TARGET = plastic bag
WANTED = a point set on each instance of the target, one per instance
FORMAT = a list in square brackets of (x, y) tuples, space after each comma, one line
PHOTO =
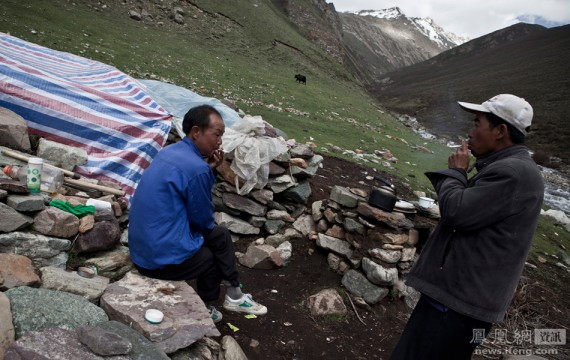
[(252, 152)]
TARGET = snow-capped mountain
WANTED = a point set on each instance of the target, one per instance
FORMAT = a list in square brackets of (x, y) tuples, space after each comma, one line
[(379, 41), (426, 25)]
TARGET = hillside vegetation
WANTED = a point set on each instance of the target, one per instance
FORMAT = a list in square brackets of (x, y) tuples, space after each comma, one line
[(245, 51)]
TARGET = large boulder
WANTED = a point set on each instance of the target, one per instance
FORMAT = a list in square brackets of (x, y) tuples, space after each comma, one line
[(69, 281), (39, 309), (357, 284), (42, 250), (186, 318), (63, 156)]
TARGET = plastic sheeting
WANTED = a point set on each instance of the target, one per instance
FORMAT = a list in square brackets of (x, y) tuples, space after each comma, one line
[(252, 152), (178, 100)]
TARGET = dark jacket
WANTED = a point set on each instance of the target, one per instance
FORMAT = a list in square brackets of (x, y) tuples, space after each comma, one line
[(473, 260)]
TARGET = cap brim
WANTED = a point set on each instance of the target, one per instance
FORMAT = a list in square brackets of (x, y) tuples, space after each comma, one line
[(472, 107)]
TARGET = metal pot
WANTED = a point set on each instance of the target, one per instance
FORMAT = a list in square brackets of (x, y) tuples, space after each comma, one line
[(383, 198)]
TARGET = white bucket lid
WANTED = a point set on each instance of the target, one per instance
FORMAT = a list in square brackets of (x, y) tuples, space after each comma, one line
[(35, 161)]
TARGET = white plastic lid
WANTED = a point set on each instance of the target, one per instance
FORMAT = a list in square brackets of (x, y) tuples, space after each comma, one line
[(35, 161), (154, 316)]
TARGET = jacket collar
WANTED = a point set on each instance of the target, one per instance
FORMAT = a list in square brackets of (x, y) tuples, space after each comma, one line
[(501, 154), (192, 146)]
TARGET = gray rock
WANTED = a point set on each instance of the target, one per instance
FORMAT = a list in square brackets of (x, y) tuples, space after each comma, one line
[(203, 349), (186, 318), (235, 225), (42, 250), (352, 225), (281, 183), (379, 274), (63, 156), (13, 186), (357, 284), (11, 220), (16, 270), (285, 250), (408, 254), (302, 151), (344, 197), (244, 204), (103, 342), (299, 194), (230, 349), (336, 232), (335, 245), (219, 206), (112, 264), (3, 195), (398, 239), (394, 220), (326, 302), (105, 235), (275, 170), (69, 281), (274, 205), (322, 226), (283, 157), (39, 309), (257, 221), (263, 196), (55, 222), (316, 210), (7, 332), (279, 215), (26, 202), (124, 237), (104, 215), (179, 19), (305, 225), (288, 235), (53, 343), (135, 15), (313, 165), (389, 256), (273, 226), (142, 348), (261, 257), (13, 131)]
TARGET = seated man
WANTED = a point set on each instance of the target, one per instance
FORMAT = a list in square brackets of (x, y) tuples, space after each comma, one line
[(172, 234)]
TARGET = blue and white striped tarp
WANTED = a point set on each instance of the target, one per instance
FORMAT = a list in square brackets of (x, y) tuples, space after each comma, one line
[(86, 104)]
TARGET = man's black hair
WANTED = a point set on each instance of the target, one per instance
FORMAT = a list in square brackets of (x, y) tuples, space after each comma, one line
[(517, 137), (198, 116)]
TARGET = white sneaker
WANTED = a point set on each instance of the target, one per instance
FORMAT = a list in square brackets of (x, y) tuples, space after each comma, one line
[(215, 314), (245, 304)]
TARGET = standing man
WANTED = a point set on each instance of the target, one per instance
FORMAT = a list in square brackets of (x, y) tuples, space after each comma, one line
[(470, 266), (172, 234)]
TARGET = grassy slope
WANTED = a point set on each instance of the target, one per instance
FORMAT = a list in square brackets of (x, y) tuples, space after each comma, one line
[(217, 57)]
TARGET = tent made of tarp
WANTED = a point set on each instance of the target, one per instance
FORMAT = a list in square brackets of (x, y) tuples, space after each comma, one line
[(86, 104)]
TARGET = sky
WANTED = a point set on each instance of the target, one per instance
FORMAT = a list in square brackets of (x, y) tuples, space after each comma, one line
[(472, 18)]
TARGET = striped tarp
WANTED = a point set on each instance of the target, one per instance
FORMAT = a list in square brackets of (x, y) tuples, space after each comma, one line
[(86, 104)]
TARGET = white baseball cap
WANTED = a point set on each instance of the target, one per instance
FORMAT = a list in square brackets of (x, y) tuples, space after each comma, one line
[(513, 109)]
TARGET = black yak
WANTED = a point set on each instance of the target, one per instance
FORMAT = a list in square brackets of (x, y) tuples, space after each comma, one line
[(301, 78)]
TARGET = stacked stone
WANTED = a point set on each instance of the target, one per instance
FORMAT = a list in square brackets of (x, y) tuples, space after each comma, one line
[(372, 249), (277, 211)]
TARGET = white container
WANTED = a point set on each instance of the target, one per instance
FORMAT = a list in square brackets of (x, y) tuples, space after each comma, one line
[(426, 202), (34, 175), (154, 316), (51, 179), (100, 205)]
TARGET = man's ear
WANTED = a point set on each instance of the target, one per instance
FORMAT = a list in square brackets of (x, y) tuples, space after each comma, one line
[(502, 131), (194, 132)]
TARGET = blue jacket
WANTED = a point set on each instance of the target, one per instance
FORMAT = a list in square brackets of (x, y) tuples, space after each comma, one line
[(171, 208)]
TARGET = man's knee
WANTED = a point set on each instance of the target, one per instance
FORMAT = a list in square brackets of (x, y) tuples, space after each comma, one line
[(219, 235)]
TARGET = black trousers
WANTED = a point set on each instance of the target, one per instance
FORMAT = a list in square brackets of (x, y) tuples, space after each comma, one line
[(214, 262), (434, 334)]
